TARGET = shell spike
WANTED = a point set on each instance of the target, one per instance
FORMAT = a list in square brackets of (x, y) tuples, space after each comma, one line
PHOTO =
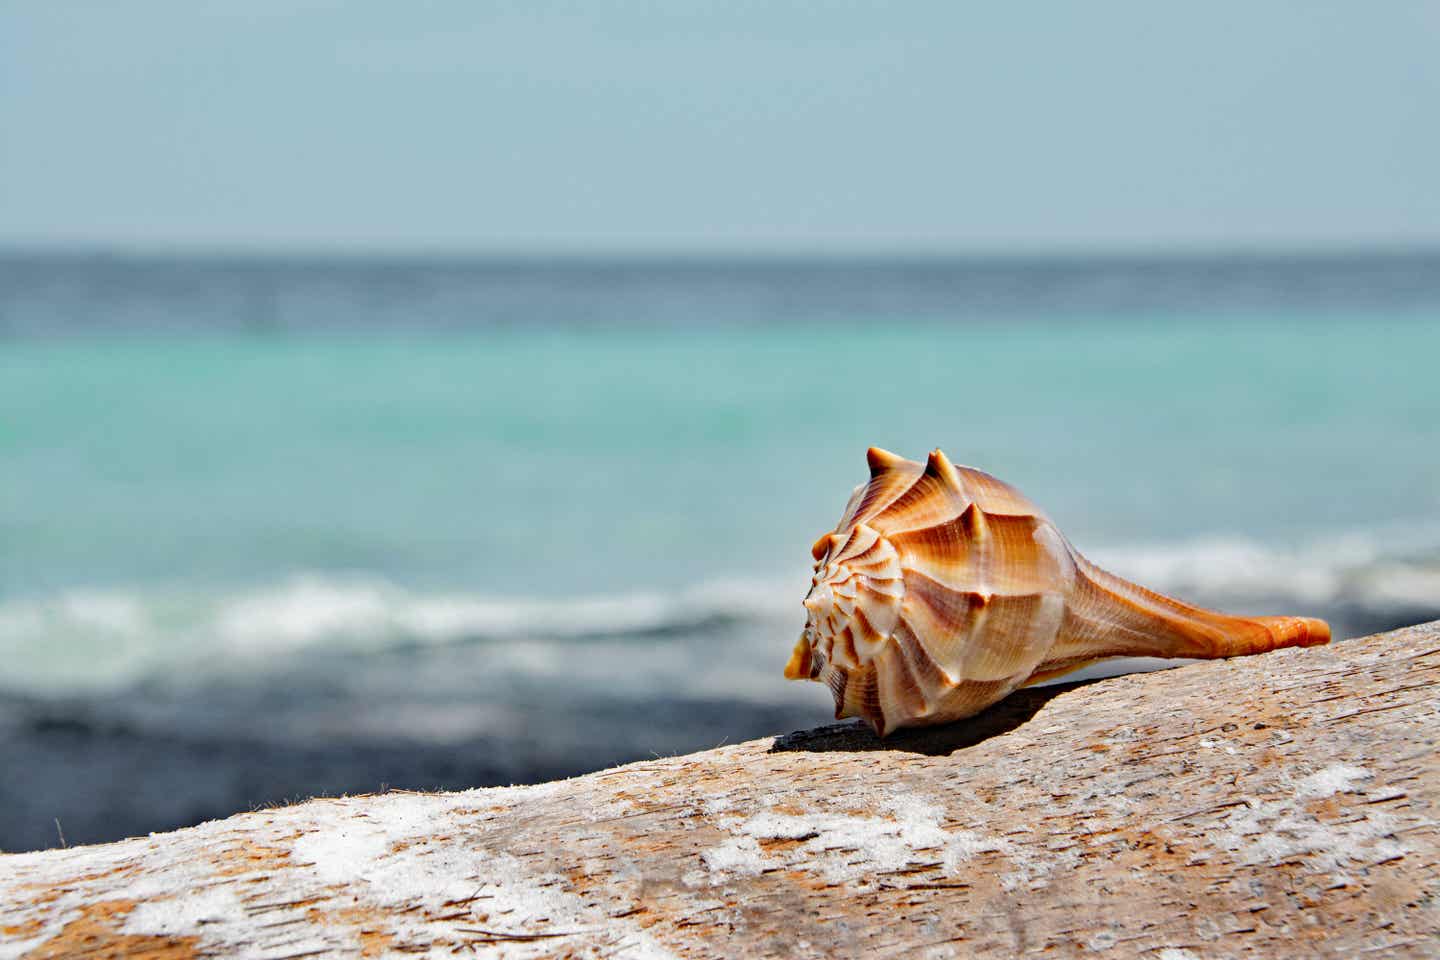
[(882, 461), (819, 548), (799, 667), (939, 466)]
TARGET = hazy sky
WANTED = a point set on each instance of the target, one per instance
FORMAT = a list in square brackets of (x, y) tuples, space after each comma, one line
[(535, 125)]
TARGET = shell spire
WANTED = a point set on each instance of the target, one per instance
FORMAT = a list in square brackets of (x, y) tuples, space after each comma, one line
[(942, 590), (881, 461)]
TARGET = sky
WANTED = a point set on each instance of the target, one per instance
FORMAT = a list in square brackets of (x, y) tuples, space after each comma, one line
[(681, 125)]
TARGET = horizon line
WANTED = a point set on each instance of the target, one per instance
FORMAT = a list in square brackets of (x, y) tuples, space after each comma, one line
[(819, 253)]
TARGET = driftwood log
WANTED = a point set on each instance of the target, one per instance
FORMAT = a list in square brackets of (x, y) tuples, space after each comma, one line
[(1271, 806)]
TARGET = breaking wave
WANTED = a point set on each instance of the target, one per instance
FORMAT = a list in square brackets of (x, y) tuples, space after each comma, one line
[(97, 638), (1392, 570), (92, 639)]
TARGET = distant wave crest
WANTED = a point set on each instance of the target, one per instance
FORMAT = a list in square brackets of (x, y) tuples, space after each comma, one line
[(93, 638), (1397, 569), (103, 638)]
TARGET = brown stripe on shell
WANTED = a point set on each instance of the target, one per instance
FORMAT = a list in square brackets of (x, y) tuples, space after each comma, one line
[(847, 646), (927, 502), (874, 561), (859, 696), (883, 570), (826, 641), (888, 586), (881, 610), (942, 620), (820, 549), (933, 681), (862, 538), (869, 639), (832, 645), (1053, 668), (837, 679), (944, 553), (888, 481), (877, 565), (900, 693), (879, 562), (866, 696)]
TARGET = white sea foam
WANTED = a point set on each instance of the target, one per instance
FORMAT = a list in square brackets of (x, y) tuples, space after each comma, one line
[(99, 638), (316, 609), (1375, 571)]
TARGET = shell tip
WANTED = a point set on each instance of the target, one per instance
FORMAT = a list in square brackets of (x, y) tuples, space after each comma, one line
[(881, 460), (1296, 631), (818, 548), (799, 666), (939, 466)]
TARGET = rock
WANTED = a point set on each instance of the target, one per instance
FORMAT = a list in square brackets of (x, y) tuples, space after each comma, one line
[(1279, 805)]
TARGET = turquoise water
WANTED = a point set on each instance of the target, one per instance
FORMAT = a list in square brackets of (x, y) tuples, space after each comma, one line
[(574, 466), (564, 463), (444, 522)]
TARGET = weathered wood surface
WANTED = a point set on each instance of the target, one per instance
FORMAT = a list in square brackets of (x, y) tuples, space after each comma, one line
[(1282, 805)]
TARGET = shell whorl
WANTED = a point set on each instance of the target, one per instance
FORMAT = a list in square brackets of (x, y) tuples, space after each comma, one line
[(942, 589)]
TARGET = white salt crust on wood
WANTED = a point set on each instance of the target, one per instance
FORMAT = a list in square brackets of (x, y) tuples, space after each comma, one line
[(1280, 805)]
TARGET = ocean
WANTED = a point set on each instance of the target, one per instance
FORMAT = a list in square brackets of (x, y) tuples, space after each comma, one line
[(279, 527)]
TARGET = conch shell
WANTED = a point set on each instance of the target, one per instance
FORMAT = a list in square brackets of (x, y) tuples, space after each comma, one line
[(942, 590)]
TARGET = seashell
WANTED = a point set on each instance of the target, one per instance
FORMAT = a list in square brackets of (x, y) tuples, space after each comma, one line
[(942, 590)]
